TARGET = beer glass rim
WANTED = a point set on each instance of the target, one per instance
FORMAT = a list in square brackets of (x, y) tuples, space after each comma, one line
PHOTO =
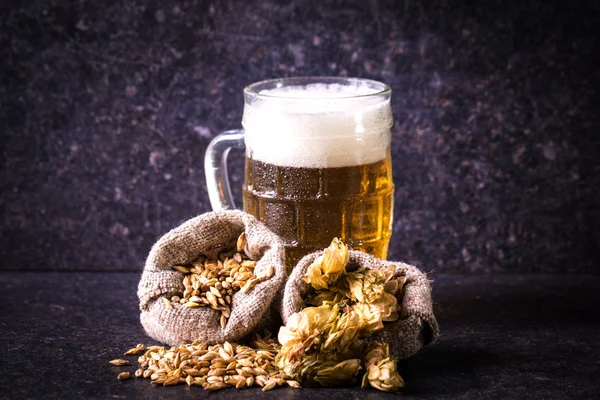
[(253, 90)]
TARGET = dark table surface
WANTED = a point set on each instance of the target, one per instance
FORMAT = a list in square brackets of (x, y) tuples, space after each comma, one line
[(503, 336)]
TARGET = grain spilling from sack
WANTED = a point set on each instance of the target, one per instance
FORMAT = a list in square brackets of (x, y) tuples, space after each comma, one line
[(211, 282), (214, 278)]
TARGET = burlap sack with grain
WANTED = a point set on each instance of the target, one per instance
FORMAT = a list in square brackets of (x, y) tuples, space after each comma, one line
[(184, 244), (416, 326)]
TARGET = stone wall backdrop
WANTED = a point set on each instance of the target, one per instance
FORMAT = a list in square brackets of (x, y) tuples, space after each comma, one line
[(106, 108)]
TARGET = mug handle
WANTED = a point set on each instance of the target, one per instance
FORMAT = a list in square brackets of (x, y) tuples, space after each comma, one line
[(215, 168)]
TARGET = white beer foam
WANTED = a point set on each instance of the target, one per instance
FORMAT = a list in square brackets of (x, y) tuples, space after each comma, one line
[(319, 91), (318, 126)]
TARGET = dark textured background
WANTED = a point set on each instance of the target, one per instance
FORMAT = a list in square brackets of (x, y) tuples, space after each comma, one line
[(106, 109)]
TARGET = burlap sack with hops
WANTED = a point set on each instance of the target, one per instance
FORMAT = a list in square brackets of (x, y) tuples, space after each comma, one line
[(205, 235), (416, 325)]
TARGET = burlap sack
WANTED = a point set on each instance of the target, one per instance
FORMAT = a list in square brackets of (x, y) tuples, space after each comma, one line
[(416, 326), (184, 244)]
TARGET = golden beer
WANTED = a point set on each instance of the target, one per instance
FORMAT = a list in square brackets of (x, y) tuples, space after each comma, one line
[(308, 207)]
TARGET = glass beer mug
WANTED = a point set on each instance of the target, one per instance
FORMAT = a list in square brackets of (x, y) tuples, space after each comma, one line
[(317, 163)]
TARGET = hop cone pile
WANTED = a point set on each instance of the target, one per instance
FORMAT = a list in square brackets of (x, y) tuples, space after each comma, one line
[(325, 342)]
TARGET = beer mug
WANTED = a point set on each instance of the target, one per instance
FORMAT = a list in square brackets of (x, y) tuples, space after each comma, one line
[(317, 163)]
